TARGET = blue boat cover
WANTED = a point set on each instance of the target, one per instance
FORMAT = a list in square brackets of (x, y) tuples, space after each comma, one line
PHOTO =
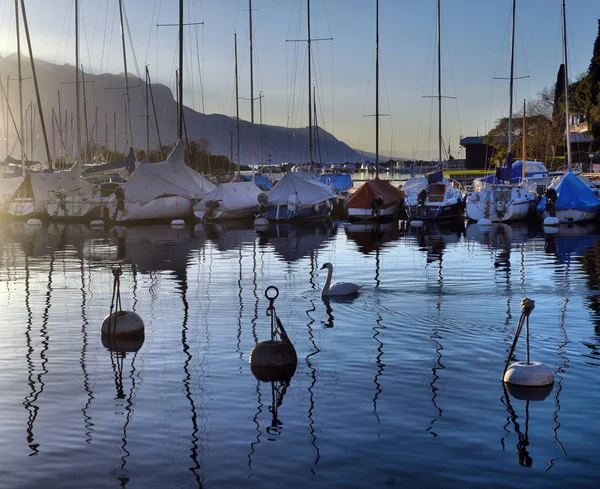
[(261, 181), (340, 183), (515, 170), (572, 193), (435, 177)]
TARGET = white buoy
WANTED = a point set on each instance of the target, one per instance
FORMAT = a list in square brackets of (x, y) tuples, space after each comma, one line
[(532, 374), (97, 223), (123, 324), (526, 373), (550, 229), (177, 223), (551, 221), (484, 221), (416, 223), (261, 221), (34, 222)]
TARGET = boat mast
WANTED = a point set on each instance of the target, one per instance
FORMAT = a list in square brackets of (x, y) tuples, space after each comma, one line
[(128, 132), (567, 113), (310, 131), (22, 129), (251, 86), (512, 76), (237, 102), (37, 89), (523, 150), (377, 89), (180, 79), (439, 53), (77, 108), (147, 114)]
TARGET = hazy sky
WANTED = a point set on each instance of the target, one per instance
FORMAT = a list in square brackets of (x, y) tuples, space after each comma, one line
[(475, 49)]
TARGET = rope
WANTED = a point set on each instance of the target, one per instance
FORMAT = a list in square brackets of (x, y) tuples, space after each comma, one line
[(527, 305), (278, 332), (115, 302)]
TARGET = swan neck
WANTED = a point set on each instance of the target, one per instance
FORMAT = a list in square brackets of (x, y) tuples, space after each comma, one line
[(328, 281)]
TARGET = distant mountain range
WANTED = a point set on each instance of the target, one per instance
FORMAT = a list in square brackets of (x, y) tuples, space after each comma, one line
[(104, 103)]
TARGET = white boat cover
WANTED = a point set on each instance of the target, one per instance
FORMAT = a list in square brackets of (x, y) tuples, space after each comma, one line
[(171, 177), (302, 188), (9, 185), (232, 197), (42, 184)]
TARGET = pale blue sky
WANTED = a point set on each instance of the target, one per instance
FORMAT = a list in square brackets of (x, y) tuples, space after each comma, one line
[(475, 49)]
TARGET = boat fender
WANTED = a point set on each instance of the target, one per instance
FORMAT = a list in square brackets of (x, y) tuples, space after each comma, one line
[(317, 207)]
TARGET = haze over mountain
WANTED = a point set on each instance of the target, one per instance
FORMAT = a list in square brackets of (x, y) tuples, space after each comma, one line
[(104, 103)]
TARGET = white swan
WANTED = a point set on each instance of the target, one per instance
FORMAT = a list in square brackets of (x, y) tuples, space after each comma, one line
[(338, 288)]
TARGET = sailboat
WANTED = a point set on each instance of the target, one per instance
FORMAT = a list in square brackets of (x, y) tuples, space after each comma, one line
[(375, 199), (238, 199), (503, 201), (568, 199), (301, 195), (434, 197)]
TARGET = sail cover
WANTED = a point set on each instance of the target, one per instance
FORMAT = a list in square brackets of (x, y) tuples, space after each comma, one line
[(572, 193), (171, 177), (305, 189)]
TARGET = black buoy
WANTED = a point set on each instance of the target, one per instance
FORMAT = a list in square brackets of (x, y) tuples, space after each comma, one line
[(274, 360), (126, 326)]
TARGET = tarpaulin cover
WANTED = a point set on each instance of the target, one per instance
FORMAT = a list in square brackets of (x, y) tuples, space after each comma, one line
[(261, 181), (435, 177), (572, 193), (303, 188), (363, 197), (340, 183), (516, 171)]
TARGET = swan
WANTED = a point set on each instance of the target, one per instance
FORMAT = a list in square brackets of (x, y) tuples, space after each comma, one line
[(338, 288)]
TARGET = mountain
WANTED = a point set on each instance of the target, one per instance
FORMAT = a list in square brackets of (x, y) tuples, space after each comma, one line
[(104, 104)]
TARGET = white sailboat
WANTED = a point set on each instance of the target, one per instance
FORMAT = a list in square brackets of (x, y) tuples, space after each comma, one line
[(165, 190), (503, 201)]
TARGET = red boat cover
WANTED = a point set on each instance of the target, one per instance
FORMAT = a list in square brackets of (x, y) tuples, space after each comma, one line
[(364, 195)]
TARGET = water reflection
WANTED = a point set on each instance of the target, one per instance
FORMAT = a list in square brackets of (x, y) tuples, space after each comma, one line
[(370, 237)]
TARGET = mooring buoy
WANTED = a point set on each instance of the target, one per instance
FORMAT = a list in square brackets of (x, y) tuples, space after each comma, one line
[(551, 221), (484, 222), (274, 360), (526, 374), (261, 224), (97, 223), (34, 222), (177, 223), (416, 223), (124, 325), (550, 229)]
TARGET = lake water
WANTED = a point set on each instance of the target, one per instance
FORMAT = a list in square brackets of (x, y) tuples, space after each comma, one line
[(400, 387)]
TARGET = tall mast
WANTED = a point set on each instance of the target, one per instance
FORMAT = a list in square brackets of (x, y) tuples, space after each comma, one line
[(377, 89), (439, 49), (251, 85), (85, 117), (128, 132), (37, 90), (512, 78), (237, 102), (147, 114), (523, 142), (180, 80), (567, 113), (310, 132), (77, 109), (22, 129)]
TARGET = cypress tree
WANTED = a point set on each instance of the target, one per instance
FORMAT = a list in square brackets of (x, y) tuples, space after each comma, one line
[(558, 108), (594, 73)]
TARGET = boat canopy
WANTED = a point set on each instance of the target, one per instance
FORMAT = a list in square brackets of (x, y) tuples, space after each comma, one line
[(363, 197), (340, 183), (515, 170), (305, 190), (261, 181), (171, 177), (571, 193), (231, 196)]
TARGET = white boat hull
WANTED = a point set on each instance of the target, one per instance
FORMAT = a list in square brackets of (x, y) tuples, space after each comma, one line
[(173, 207), (483, 204), (359, 214), (76, 209), (27, 207), (222, 215), (567, 216)]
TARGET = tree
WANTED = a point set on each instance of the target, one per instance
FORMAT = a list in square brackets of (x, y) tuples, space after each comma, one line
[(594, 109), (558, 109)]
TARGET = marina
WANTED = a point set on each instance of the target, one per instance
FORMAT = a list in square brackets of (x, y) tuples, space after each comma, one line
[(398, 386)]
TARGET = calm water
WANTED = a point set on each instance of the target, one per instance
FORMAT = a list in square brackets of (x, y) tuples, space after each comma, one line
[(397, 388)]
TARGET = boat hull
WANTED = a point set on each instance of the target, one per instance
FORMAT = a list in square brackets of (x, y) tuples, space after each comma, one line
[(172, 207), (435, 211), (385, 213), (223, 215), (27, 207), (77, 210), (283, 213), (500, 204), (567, 216)]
